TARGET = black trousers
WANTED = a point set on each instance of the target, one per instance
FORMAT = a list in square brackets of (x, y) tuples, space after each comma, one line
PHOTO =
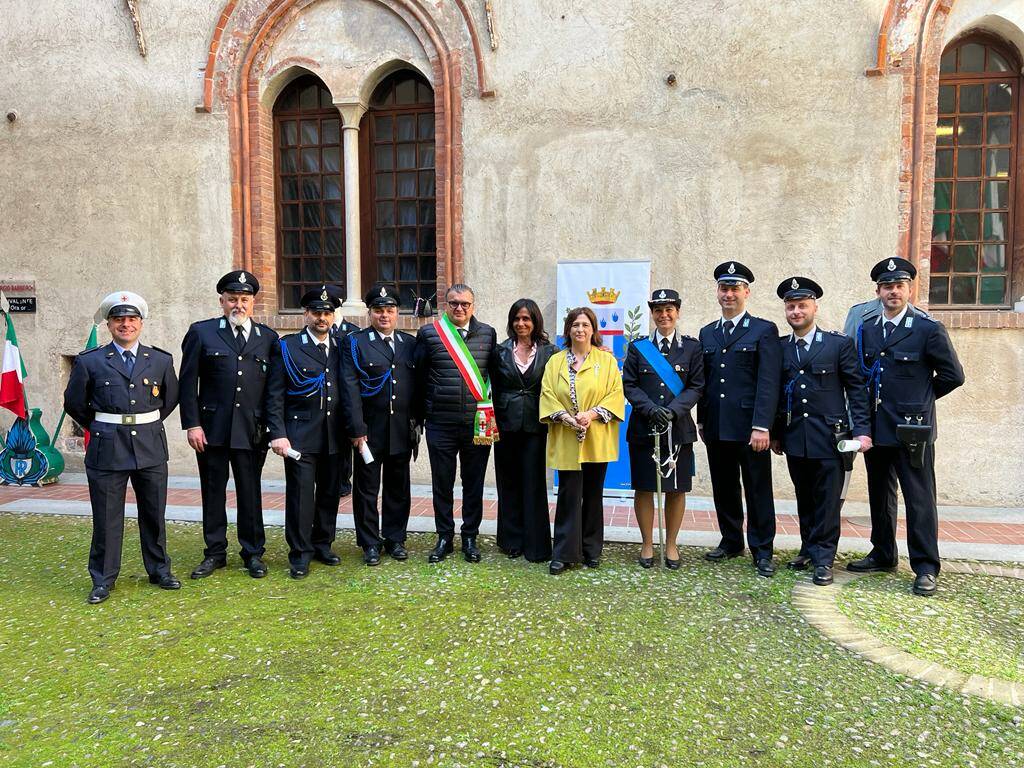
[(579, 514), (729, 461), (445, 445), (345, 470), (311, 505), (107, 494), (524, 521), (818, 484), (395, 499), (247, 468), (886, 465)]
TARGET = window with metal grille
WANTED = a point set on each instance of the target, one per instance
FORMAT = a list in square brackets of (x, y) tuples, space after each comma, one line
[(309, 190), (400, 240), (976, 172)]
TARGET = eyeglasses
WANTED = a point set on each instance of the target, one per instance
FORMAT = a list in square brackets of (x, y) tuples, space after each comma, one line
[(460, 304)]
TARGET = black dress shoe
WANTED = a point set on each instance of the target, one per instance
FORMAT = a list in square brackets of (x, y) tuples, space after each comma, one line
[(765, 567), (441, 550), (256, 567), (799, 563), (397, 551), (345, 491), (328, 558), (822, 575), (645, 562), (592, 563), (672, 565), (165, 582), (371, 555), (98, 595), (556, 567), (870, 564), (514, 553), (469, 550), (299, 571), (925, 585), (208, 566), (718, 554)]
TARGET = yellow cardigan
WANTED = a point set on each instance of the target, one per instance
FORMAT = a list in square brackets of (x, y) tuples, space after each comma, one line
[(598, 382)]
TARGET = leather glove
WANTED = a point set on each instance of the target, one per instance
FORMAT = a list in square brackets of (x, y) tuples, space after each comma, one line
[(661, 417)]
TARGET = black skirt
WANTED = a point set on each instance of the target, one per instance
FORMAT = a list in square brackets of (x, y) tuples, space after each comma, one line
[(642, 474)]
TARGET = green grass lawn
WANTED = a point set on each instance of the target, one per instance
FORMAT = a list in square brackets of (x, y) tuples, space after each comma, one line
[(974, 623), (496, 664)]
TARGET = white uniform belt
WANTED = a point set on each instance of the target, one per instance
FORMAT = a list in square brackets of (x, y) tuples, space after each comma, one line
[(128, 418)]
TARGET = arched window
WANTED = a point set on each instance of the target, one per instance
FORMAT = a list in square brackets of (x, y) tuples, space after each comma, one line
[(975, 225), (399, 242), (307, 140)]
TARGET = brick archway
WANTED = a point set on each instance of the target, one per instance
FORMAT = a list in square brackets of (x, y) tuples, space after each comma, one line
[(239, 50)]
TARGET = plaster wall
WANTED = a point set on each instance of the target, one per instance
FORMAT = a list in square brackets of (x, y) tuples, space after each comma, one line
[(772, 148)]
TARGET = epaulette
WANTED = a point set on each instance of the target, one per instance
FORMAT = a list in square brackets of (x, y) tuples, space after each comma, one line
[(157, 349), (93, 349), (687, 336), (837, 333)]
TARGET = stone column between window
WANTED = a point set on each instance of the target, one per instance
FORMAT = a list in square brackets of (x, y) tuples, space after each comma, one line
[(351, 113)]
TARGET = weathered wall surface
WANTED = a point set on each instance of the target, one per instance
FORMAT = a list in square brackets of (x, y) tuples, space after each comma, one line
[(772, 148)]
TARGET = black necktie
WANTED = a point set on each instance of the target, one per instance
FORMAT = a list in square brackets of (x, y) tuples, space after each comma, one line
[(463, 332), (801, 347), (890, 326), (129, 362), (390, 343), (665, 347), (322, 347), (239, 338), (728, 325)]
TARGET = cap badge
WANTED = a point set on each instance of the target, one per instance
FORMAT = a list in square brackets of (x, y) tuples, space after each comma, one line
[(241, 277), (795, 284), (661, 295), (323, 295), (124, 297), (732, 268), (383, 292), (891, 266)]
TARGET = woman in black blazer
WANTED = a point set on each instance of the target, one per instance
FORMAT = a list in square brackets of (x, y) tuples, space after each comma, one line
[(516, 370)]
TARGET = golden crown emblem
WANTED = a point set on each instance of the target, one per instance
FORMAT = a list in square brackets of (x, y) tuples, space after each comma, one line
[(603, 295)]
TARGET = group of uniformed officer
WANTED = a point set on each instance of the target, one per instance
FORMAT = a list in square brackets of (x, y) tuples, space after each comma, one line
[(820, 397), (316, 395)]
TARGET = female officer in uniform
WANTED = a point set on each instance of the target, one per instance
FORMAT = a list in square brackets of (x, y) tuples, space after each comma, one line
[(663, 377)]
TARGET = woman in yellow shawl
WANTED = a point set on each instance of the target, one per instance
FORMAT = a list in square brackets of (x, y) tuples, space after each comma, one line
[(581, 397)]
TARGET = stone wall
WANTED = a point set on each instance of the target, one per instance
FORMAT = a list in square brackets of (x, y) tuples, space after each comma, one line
[(772, 147)]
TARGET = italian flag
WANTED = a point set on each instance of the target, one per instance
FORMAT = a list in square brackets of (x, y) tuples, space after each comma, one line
[(12, 374)]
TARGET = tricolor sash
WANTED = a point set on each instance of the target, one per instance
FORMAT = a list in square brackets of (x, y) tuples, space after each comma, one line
[(486, 428), (661, 366)]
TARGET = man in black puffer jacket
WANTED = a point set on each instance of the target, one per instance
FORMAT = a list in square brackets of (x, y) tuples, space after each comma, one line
[(450, 412)]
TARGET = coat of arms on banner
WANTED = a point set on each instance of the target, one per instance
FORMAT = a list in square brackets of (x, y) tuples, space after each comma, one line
[(21, 463)]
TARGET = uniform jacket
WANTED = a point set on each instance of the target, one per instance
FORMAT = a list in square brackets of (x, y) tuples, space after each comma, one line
[(917, 365), (446, 399), (100, 383), (313, 423), (598, 382), (222, 389), (865, 312), (517, 395), (741, 389), (382, 418), (645, 390), (821, 386)]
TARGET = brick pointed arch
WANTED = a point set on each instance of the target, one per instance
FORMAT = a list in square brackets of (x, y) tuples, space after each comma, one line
[(911, 39), (242, 40)]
